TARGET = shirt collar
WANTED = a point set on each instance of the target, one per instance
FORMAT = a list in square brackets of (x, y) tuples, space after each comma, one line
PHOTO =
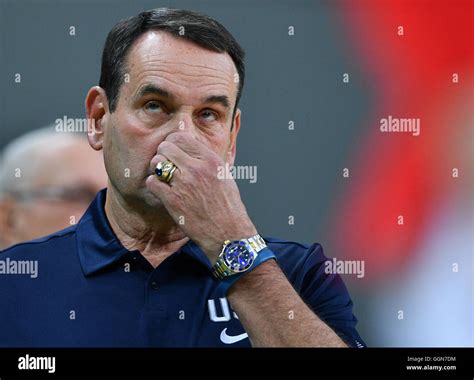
[(98, 246)]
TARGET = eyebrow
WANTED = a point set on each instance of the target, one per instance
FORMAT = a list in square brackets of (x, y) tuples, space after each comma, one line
[(221, 99), (154, 90)]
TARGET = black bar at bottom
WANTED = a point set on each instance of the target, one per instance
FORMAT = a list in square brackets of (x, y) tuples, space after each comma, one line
[(397, 362)]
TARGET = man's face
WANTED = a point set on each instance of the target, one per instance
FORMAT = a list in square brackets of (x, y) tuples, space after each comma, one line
[(172, 86), (73, 173)]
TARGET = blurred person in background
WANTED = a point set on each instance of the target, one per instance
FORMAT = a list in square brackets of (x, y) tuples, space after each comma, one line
[(47, 180)]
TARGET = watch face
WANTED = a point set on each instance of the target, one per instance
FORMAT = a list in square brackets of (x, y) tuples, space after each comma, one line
[(238, 257)]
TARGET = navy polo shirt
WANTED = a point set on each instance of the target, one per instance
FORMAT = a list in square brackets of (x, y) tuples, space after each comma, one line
[(90, 291)]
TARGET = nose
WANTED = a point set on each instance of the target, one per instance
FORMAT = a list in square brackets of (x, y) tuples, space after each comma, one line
[(184, 122)]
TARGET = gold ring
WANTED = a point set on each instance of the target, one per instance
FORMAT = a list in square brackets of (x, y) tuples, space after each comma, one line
[(164, 170)]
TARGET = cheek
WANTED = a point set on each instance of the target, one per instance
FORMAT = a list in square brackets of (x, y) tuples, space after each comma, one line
[(219, 143), (112, 152), (129, 149)]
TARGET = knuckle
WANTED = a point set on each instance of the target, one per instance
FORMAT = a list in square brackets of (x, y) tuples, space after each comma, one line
[(174, 137), (164, 145), (159, 158), (192, 170)]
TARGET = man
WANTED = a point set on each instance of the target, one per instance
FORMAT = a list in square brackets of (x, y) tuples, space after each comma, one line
[(144, 267), (47, 180)]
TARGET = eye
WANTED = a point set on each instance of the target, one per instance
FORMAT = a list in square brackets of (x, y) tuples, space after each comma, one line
[(153, 106), (209, 115)]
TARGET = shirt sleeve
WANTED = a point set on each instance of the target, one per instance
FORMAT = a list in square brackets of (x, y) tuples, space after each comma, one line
[(327, 295)]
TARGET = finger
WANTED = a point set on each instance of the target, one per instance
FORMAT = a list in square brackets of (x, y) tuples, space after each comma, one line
[(160, 189), (154, 161), (189, 144), (159, 158), (175, 154)]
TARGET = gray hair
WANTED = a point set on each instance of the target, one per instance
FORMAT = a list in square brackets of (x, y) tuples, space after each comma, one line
[(21, 160)]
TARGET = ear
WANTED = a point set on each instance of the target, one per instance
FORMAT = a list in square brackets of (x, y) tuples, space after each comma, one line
[(231, 151), (7, 225), (97, 111)]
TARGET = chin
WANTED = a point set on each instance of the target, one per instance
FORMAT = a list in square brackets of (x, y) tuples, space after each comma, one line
[(141, 198), (151, 199)]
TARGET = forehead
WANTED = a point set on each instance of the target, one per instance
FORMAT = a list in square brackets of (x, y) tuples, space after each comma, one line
[(179, 65)]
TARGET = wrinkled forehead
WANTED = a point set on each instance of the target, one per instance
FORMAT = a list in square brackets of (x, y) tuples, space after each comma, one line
[(179, 65)]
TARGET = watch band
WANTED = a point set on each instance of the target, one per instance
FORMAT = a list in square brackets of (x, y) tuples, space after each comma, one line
[(257, 243)]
